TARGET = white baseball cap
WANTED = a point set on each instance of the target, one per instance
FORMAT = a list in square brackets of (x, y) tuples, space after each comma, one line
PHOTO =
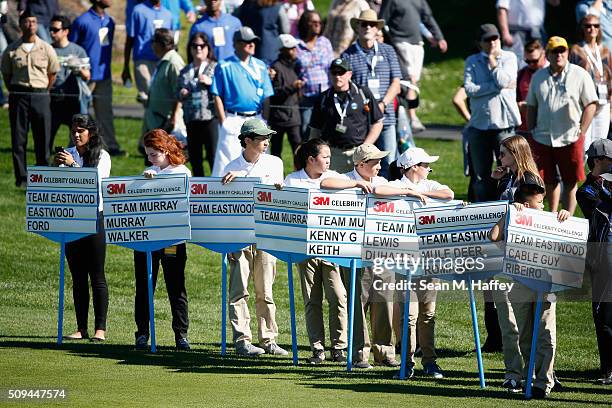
[(287, 41), (415, 155)]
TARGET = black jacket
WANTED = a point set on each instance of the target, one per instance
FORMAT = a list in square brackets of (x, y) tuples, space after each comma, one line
[(598, 261), (507, 185), (589, 195), (285, 94)]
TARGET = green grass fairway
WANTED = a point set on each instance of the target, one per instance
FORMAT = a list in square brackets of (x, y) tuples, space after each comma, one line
[(113, 374)]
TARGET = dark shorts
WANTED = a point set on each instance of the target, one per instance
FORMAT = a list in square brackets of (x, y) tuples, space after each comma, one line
[(570, 160)]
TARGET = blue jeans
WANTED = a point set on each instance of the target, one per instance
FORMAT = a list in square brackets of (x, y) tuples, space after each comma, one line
[(483, 146), (306, 107), (387, 141)]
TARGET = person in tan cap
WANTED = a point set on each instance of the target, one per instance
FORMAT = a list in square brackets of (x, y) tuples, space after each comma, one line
[(376, 66), (366, 159), (560, 106)]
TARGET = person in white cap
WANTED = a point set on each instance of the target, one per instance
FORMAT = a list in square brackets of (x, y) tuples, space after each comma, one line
[(285, 112), (367, 159), (240, 86), (250, 261), (414, 164)]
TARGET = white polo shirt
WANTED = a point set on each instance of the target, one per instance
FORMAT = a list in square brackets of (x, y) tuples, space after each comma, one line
[(376, 180), (269, 168), (423, 186), (171, 169), (300, 179)]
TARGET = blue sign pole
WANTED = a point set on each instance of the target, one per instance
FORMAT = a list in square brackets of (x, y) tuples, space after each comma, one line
[(292, 311), (60, 312), (404, 344), (223, 302), (150, 289), (534, 338), (351, 315), (476, 332)]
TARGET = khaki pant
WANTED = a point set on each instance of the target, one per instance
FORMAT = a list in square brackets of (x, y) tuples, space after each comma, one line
[(513, 360), (421, 321), (524, 304), (143, 72), (262, 266), (341, 160), (318, 276), (381, 316)]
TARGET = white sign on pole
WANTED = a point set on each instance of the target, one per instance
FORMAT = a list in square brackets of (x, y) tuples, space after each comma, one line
[(138, 209), (222, 213), (453, 239), (310, 222), (390, 231), (61, 200), (541, 249)]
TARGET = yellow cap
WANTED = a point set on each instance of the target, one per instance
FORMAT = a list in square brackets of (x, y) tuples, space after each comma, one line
[(556, 42)]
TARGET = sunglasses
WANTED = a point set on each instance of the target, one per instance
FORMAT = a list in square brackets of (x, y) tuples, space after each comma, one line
[(425, 165), (55, 30), (559, 50), (337, 73), (532, 61), (198, 46), (587, 26), (365, 24)]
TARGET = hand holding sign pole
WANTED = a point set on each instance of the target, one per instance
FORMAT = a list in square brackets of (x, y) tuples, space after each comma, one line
[(454, 245), (62, 206), (222, 221), (336, 221), (390, 234), (544, 255), (147, 215), (281, 222), (310, 223)]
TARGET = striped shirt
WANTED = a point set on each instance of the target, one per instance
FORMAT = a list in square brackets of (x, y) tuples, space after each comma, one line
[(313, 65), (386, 69)]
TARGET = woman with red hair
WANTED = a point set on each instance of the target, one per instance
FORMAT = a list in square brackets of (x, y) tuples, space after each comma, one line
[(166, 155)]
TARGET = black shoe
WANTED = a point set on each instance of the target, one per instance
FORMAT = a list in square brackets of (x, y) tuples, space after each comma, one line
[(513, 386), (538, 393), (606, 378), (557, 387), (339, 356), (142, 341), (491, 347), (318, 356), (182, 344)]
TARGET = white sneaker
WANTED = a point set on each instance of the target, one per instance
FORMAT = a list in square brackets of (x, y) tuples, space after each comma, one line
[(249, 350), (275, 350)]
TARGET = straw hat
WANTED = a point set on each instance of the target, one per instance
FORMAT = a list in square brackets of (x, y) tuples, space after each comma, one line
[(368, 16)]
